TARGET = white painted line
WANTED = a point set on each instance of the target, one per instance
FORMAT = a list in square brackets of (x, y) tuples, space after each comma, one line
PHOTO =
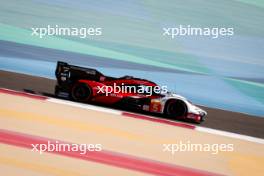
[(84, 106), (229, 134), (116, 112), (198, 128)]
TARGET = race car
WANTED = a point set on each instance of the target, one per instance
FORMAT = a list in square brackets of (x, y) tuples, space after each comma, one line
[(88, 85)]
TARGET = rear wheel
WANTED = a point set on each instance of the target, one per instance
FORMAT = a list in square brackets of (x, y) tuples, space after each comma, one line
[(175, 109), (81, 92), (57, 90)]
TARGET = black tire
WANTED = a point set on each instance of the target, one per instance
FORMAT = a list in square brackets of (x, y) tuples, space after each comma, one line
[(57, 90), (81, 92), (175, 109)]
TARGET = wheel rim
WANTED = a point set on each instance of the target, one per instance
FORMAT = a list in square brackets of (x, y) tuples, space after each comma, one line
[(81, 93), (176, 109)]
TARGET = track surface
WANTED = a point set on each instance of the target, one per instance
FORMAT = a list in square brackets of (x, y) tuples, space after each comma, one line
[(28, 119), (216, 119)]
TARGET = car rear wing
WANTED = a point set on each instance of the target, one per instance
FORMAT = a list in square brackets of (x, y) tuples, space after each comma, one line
[(68, 74)]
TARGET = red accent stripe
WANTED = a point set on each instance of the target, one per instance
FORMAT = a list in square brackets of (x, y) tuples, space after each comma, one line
[(137, 116), (24, 94), (164, 121), (105, 157)]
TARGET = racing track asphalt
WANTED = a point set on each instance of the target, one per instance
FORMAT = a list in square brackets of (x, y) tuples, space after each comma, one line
[(216, 119)]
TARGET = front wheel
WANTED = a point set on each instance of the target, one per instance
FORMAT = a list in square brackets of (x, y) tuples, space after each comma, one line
[(81, 92), (175, 109)]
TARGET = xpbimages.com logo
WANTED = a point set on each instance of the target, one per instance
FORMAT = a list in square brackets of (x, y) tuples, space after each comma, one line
[(196, 147), (131, 89), (65, 147), (188, 30), (56, 30)]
